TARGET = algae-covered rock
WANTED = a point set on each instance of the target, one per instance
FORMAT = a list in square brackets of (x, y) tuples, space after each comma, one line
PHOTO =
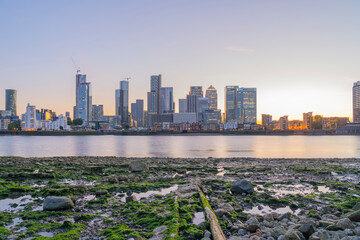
[(354, 216), (242, 186), (53, 203), (138, 166)]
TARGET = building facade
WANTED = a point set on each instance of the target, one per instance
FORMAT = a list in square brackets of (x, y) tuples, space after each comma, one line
[(166, 100), (307, 120), (230, 103), (266, 119), (10, 101), (182, 105), (124, 102), (246, 105), (356, 102), (203, 104), (196, 90), (211, 94), (97, 112), (284, 123), (137, 112), (212, 116), (155, 87), (83, 107)]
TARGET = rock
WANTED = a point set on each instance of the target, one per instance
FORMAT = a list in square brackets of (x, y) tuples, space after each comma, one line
[(354, 216), (159, 229), (284, 216), (131, 199), (227, 207), (344, 223), (307, 229), (292, 234), (323, 223), (356, 206), (252, 224), (53, 203), (221, 212), (138, 166), (207, 234), (101, 192), (94, 169), (327, 235), (242, 186), (276, 232), (269, 217)]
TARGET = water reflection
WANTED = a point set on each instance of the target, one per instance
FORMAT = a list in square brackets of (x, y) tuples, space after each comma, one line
[(182, 146)]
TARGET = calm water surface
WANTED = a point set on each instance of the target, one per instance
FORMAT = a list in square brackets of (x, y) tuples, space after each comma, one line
[(182, 146)]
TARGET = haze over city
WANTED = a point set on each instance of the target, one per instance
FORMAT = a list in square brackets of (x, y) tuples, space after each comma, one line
[(301, 56)]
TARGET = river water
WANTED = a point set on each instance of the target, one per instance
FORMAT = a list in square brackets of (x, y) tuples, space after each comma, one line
[(183, 146)]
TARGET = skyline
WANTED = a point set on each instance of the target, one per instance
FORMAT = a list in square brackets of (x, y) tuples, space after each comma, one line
[(306, 63)]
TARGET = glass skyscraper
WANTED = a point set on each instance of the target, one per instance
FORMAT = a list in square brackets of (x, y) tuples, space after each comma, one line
[(230, 103), (196, 90), (166, 100), (356, 102), (83, 107), (240, 105), (124, 101), (10, 101), (211, 94)]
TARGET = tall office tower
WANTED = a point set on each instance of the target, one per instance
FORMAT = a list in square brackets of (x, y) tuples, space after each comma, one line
[(196, 90), (266, 119), (230, 103), (137, 112), (284, 123), (203, 104), (192, 103), (211, 94), (124, 101), (117, 102), (152, 101), (182, 105), (83, 107), (246, 105), (155, 86), (97, 112), (307, 120), (30, 117), (10, 101), (166, 100), (356, 102)]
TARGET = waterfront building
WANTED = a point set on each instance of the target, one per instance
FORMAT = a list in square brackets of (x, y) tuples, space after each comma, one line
[(152, 100), (185, 117), (284, 123), (30, 118), (295, 125), (10, 101), (155, 87), (4, 123), (83, 107), (113, 121), (356, 102), (212, 116), (117, 102), (5, 114), (124, 102), (246, 105), (166, 100), (211, 94), (266, 119), (230, 103), (192, 103), (333, 123), (196, 90), (137, 112), (203, 104), (307, 120), (97, 112), (182, 105)]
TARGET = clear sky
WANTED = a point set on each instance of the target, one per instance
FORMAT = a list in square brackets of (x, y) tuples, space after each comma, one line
[(300, 55)]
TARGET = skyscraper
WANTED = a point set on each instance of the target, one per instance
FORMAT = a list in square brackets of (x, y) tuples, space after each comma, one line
[(182, 105), (203, 104), (230, 103), (137, 112), (246, 105), (307, 120), (192, 103), (10, 101), (155, 86), (166, 100), (356, 102), (97, 112), (124, 101), (30, 117), (196, 90), (211, 94), (152, 101), (83, 107), (117, 102)]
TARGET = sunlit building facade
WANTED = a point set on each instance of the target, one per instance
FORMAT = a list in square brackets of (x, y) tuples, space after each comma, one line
[(284, 123), (196, 90), (212, 116), (266, 119), (307, 120), (246, 105), (230, 103)]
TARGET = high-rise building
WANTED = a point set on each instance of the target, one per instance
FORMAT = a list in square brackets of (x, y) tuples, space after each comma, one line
[(124, 101), (166, 100), (10, 101), (192, 103), (137, 112), (97, 112), (83, 107), (196, 90), (212, 116), (182, 105), (117, 102), (155, 86), (307, 120), (284, 123), (356, 102), (246, 105), (211, 94), (240, 105), (230, 103), (152, 101), (266, 119), (203, 104), (30, 118)]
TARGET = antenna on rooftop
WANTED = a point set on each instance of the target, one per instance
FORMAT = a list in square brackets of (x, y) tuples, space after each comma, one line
[(77, 69)]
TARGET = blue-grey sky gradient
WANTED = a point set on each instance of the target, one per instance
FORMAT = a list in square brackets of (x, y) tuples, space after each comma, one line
[(301, 55)]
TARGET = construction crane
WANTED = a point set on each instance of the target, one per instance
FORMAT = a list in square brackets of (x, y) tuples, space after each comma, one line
[(127, 78), (77, 69)]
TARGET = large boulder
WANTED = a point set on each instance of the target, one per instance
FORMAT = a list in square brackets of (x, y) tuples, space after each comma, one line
[(252, 224), (354, 216), (242, 186), (344, 223), (138, 166), (53, 203), (307, 229), (292, 234)]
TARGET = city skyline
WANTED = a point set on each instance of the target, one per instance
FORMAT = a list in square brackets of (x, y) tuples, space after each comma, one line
[(308, 60)]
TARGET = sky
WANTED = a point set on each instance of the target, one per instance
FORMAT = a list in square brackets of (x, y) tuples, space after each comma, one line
[(302, 56)]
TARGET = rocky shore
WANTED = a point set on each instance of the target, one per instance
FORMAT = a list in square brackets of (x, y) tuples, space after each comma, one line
[(172, 198)]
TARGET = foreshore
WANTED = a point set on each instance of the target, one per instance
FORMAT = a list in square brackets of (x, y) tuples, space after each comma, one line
[(170, 198)]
